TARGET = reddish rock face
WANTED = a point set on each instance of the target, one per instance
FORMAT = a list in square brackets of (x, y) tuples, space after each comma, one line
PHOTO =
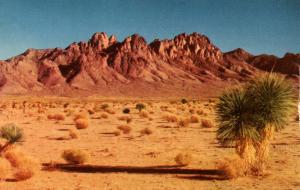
[(104, 64)]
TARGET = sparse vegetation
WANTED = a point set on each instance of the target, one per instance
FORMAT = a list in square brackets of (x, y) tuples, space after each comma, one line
[(57, 117), (183, 159), (140, 107), (184, 101), (170, 118), (126, 110), (206, 123), (125, 129), (81, 123), (146, 131), (73, 156)]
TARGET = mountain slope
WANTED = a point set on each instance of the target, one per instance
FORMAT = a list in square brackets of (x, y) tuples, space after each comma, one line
[(186, 65)]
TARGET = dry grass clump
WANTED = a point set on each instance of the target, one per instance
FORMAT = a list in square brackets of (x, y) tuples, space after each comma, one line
[(116, 133), (232, 167), (4, 168), (200, 112), (73, 134), (170, 118), (104, 116), (110, 111), (81, 115), (81, 123), (146, 131), (25, 166), (75, 156), (184, 122), (194, 119), (57, 117), (143, 114), (206, 123), (183, 159), (125, 129), (125, 118)]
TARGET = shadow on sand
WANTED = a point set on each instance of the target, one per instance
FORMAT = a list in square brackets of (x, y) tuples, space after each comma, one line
[(193, 174)]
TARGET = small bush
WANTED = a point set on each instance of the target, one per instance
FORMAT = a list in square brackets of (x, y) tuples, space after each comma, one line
[(194, 119), (126, 110), (140, 107), (26, 166), (125, 129), (81, 116), (146, 131), (73, 134), (81, 123), (110, 111), (170, 118), (206, 123), (143, 114), (183, 159), (57, 117), (183, 122), (184, 101), (75, 156), (104, 116), (231, 168), (4, 168), (104, 106), (125, 118)]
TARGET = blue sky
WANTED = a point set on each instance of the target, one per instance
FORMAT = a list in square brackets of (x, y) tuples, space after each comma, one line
[(259, 26)]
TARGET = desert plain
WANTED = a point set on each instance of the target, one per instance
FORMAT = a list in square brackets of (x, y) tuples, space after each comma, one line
[(141, 158)]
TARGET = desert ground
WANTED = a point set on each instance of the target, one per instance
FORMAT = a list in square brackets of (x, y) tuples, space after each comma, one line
[(46, 137)]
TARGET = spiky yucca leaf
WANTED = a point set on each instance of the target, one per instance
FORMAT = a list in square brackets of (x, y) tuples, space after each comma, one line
[(273, 97), (236, 117), (11, 133)]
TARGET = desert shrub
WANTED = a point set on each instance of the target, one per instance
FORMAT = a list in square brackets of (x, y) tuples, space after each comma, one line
[(57, 117), (146, 131), (116, 133), (170, 118), (194, 119), (192, 111), (143, 114), (206, 123), (125, 129), (75, 156), (184, 101), (183, 122), (125, 118), (81, 115), (104, 106), (126, 110), (91, 112), (73, 133), (25, 166), (104, 116), (81, 123), (110, 111), (183, 159), (199, 112), (4, 168), (232, 168), (140, 107)]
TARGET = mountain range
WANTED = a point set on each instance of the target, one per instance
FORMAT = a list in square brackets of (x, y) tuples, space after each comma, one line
[(188, 65)]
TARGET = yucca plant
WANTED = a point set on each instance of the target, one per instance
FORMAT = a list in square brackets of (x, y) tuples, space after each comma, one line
[(237, 123), (273, 97), (12, 134)]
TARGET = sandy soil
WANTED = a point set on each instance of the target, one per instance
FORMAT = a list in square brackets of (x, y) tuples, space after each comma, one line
[(134, 149)]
